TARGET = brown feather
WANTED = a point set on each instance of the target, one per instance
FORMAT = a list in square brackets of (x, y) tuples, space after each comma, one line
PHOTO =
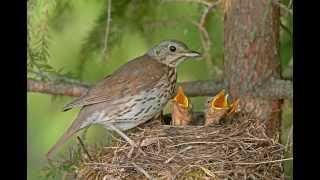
[(130, 79)]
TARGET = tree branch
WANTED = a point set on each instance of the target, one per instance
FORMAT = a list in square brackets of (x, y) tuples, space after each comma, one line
[(105, 48), (205, 38), (275, 89), (192, 89), (57, 88)]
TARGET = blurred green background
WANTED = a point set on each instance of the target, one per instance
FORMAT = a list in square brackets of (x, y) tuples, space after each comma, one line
[(73, 35)]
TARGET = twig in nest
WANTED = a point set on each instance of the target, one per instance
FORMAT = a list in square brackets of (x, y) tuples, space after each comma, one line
[(207, 171), (243, 142), (140, 169), (84, 148), (263, 162), (181, 144), (182, 151)]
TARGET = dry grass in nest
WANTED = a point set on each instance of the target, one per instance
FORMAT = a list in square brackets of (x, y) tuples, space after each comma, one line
[(240, 150)]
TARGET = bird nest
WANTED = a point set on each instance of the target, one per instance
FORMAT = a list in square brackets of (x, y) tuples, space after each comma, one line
[(239, 150)]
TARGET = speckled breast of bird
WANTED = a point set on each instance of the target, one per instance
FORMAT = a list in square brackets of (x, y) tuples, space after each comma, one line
[(143, 106)]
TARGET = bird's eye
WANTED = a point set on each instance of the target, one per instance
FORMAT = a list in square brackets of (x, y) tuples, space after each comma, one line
[(172, 48)]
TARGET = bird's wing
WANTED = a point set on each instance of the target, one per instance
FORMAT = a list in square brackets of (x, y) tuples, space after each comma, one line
[(137, 75)]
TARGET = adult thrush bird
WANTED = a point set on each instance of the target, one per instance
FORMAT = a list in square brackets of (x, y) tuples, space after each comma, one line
[(133, 94)]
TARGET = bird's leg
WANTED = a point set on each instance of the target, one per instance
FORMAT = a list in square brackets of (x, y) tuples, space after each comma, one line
[(83, 135), (84, 148), (124, 136)]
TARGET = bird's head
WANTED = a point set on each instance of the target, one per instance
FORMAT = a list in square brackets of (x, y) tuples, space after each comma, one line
[(172, 52)]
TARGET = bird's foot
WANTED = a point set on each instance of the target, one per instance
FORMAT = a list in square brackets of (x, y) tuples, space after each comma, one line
[(130, 141)]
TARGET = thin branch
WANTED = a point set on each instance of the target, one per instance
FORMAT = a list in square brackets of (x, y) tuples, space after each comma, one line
[(180, 152), (105, 48), (192, 89), (274, 89), (140, 169), (285, 28), (264, 162), (84, 148), (205, 38), (206, 12), (61, 88), (284, 7)]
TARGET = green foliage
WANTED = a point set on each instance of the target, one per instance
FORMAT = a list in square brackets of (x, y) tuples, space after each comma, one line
[(125, 15), (65, 164), (39, 14), (38, 35)]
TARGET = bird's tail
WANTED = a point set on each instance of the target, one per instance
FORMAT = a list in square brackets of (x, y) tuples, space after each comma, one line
[(72, 130)]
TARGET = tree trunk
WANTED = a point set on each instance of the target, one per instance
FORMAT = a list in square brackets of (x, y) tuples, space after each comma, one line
[(251, 56)]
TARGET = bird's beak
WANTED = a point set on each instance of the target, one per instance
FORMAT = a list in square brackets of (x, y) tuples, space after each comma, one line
[(192, 54)]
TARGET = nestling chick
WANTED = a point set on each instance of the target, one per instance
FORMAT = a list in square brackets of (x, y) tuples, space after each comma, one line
[(219, 108), (181, 109)]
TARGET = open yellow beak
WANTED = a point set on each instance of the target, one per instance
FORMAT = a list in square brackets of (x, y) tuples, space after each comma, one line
[(220, 101), (181, 99)]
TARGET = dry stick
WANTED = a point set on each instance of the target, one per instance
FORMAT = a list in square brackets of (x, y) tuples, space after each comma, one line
[(142, 170), (192, 88), (84, 148), (57, 88), (182, 151), (180, 170), (264, 162), (107, 30), (124, 136), (187, 143)]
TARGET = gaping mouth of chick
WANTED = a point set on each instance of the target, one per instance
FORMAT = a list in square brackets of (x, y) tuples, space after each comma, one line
[(220, 102), (181, 99)]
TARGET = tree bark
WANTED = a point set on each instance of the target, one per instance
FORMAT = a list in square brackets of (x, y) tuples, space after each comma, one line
[(251, 57)]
